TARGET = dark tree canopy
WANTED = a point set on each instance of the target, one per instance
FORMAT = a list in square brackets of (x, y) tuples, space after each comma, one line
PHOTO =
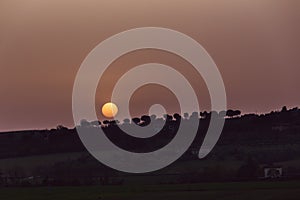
[(136, 120)]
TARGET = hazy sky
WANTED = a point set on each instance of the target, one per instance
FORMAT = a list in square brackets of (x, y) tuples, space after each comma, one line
[(255, 44)]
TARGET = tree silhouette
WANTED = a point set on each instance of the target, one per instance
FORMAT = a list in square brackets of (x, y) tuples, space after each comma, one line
[(177, 117), (186, 115), (237, 112), (233, 113), (284, 109), (168, 118), (204, 114), (153, 118), (61, 128), (195, 115), (146, 120), (136, 120), (106, 122), (126, 121), (84, 123), (96, 123), (222, 113)]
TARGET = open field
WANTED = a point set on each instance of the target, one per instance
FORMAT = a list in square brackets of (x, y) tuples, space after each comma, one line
[(207, 191), (31, 162)]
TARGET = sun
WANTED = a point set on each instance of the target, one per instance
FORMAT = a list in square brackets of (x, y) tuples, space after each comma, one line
[(109, 110)]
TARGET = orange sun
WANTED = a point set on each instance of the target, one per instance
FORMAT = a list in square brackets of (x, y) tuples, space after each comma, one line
[(109, 110)]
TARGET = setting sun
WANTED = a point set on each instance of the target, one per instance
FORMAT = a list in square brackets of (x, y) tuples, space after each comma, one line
[(109, 110)]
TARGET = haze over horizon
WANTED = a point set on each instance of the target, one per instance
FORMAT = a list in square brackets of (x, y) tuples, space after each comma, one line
[(255, 44)]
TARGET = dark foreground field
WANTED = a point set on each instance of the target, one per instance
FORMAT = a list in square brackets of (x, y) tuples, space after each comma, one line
[(207, 191)]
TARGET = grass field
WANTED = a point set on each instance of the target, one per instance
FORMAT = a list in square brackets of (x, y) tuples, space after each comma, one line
[(31, 162), (206, 191)]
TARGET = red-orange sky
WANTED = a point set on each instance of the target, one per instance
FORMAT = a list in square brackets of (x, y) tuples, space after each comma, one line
[(255, 44)]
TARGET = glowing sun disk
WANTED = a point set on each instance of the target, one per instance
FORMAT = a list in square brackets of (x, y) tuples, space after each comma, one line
[(109, 110)]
